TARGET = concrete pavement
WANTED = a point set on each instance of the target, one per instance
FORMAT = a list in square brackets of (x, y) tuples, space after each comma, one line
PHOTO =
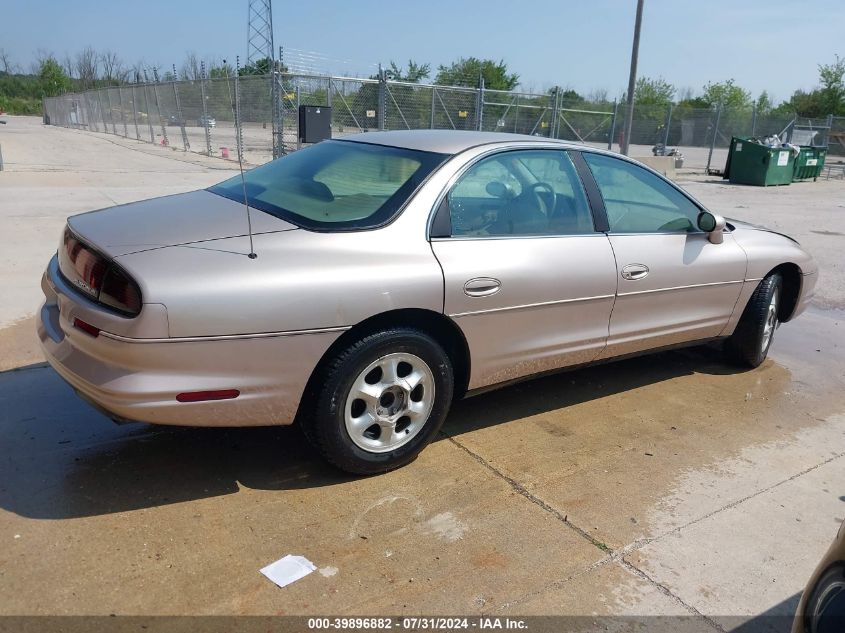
[(51, 173), (670, 484)]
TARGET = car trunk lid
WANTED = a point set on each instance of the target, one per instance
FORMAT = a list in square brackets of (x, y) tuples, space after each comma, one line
[(184, 218)]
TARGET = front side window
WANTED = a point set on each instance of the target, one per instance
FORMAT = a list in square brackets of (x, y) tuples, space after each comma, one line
[(531, 192), (637, 201), (334, 184)]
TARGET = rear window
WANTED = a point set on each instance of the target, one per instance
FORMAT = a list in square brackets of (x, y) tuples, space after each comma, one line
[(334, 185)]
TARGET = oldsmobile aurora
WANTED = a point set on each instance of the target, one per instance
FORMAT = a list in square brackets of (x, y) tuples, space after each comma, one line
[(395, 271)]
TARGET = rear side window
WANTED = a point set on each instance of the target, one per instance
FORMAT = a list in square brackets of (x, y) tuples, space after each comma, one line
[(638, 201), (531, 192), (334, 184)]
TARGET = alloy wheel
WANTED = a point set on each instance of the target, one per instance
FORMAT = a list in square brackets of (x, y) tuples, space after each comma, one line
[(771, 321), (389, 402)]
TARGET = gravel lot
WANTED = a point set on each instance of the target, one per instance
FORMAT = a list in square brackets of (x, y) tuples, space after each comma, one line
[(669, 484)]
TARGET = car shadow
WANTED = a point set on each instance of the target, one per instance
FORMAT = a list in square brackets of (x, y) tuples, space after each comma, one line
[(777, 619), (568, 388), (65, 460)]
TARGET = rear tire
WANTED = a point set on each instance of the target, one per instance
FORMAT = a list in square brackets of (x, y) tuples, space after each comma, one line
[(749, 344), (380, 401)]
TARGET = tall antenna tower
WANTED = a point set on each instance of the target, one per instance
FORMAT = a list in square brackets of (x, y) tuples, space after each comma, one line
[(259, 40), (259, 47)]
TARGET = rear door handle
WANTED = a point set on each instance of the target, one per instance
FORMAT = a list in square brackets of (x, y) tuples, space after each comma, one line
[(482, 287), (634, 271)]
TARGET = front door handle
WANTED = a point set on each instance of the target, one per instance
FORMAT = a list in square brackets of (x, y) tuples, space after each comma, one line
[(482, 287), (634, 271)]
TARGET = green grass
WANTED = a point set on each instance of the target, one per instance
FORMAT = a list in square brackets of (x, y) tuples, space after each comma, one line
[(20, 105)]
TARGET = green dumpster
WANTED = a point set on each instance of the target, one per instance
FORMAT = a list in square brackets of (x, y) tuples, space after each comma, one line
[(809, 163), (750, 163)]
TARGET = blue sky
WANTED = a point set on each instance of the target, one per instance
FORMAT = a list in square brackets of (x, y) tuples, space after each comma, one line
[(772, 45)]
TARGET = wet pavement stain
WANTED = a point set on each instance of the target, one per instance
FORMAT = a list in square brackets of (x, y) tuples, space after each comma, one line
[(615, 437)]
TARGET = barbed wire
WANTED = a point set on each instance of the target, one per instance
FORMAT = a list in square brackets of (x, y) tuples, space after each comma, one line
[(315, 62)]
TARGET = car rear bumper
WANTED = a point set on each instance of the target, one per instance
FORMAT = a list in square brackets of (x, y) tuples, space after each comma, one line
[(137, 379)]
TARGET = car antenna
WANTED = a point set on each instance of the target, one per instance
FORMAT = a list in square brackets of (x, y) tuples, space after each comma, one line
[(236, 112)]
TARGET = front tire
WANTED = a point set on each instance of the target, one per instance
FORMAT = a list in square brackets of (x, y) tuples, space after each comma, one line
[(749, 344), (380, 401)]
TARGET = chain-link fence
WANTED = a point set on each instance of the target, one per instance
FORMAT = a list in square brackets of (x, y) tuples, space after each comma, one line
[(837, 135), (257, 116)]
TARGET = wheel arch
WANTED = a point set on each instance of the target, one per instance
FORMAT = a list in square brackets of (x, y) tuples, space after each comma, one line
[(791, 290), (437, 325)]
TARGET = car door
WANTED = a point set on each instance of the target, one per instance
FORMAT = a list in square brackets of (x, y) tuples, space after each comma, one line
[(675, 286), (528, 278)]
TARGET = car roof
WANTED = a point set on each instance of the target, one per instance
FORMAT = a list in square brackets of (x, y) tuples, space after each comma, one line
[(444, 141)]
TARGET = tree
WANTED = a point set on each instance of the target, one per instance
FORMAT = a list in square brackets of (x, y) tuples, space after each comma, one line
[(222, 71), (68, 64), (833, 86), (598, 96), (87, 67), (805, 104), (652, 98), (191, 67), (727, 94), (467, 70), (570, 96), (112, 66), (258, 67), (6, 62), (763, 104), (650, 91), (41, 56), (685, 94), (136, 71), (415, 73), (52, 78)]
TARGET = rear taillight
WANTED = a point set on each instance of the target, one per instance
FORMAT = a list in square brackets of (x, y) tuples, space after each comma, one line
[(120, 292), (99, 278), (85, 266)]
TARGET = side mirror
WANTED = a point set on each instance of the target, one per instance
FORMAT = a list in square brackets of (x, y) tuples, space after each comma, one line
[(713, 225)]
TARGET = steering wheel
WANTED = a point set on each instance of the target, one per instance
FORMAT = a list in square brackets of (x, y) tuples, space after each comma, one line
[(544, 194)]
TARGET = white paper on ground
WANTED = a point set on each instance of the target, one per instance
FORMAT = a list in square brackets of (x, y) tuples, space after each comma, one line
[(288, 569)]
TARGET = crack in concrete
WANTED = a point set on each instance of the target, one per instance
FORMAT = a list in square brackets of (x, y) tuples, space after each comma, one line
[(557, 584), (668, 593), (618, 556), (611, 555), (522, 490)]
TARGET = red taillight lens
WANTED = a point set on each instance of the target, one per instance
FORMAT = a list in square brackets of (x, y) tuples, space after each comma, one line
[(86, 266), (98, 277), (120, 292)]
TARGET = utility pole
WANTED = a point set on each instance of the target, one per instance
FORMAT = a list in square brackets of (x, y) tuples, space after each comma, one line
[(632, 81)]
